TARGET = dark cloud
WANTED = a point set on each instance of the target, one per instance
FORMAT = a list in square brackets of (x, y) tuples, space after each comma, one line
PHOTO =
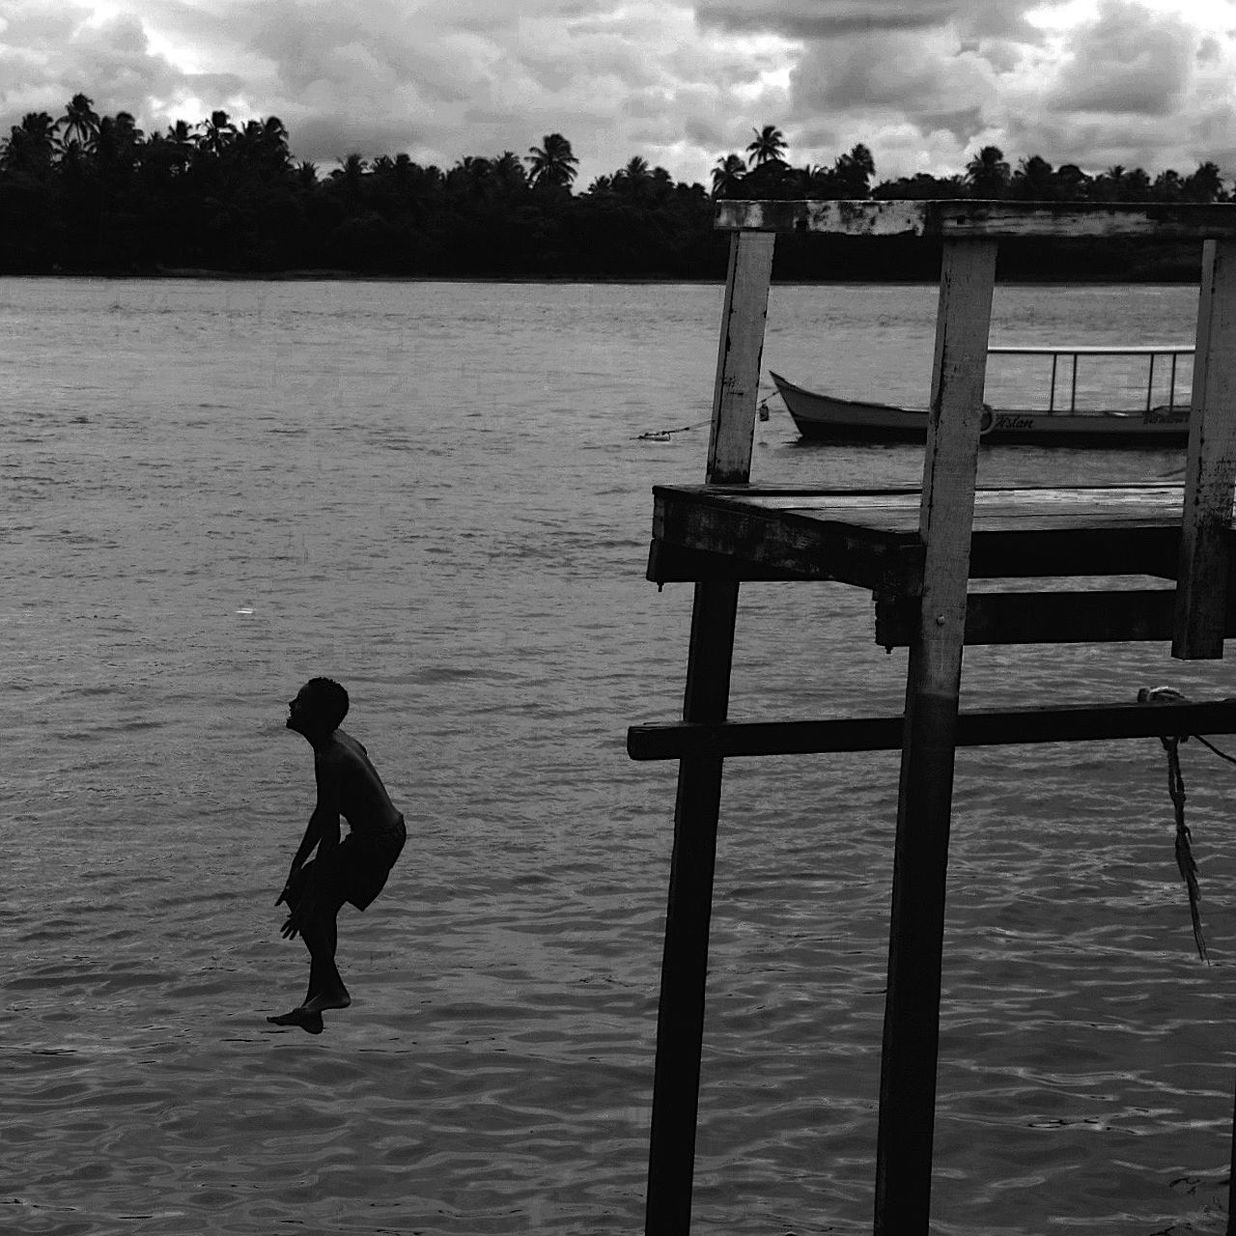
[(892, 71), (328, 139), (820, 19), (962, 122), (349, 49), (824, 19), (1129, 61)]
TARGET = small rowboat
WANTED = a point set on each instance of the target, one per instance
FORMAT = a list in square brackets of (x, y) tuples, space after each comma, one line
[(1072, 415)]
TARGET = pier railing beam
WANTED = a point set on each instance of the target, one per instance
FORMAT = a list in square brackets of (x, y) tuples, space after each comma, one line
[(684, 967), (920, 862), (1202, 577)]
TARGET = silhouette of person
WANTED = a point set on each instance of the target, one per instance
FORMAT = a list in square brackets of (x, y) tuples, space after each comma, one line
[(352, 870)]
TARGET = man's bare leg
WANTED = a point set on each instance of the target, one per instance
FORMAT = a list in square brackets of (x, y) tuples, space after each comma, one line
[(326, 989)]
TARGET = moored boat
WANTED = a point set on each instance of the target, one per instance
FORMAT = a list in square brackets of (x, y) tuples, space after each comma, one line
[(1160, 417)]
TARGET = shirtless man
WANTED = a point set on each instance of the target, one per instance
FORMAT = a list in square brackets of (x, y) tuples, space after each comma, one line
[(354, 869)]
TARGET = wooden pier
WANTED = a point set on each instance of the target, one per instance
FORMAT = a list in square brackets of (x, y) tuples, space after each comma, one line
[(933, 558)]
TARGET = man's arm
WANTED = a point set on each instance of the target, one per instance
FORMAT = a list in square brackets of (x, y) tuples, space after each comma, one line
[(322, 831)]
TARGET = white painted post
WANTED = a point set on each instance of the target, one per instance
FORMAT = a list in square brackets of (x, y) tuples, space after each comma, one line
[(1210, 475), (736, 392)]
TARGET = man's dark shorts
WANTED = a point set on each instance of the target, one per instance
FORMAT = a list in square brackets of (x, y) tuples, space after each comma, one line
[(355, 870)]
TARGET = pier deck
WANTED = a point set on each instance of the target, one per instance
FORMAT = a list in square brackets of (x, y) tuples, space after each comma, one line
[(871, 538), (948, 564)]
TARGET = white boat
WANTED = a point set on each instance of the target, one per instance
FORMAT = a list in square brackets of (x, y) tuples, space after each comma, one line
[(1160, 417)]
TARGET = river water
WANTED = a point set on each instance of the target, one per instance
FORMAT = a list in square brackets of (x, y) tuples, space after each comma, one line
[(437, 493)]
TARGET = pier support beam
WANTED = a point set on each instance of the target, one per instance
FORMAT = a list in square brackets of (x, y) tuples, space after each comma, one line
[(920, 862), (1210, 474), (684, 967)]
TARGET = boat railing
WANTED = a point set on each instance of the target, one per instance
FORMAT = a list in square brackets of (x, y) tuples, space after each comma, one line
[(1070, 355)]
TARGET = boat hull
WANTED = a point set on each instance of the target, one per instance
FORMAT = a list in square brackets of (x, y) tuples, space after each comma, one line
[(824, 417)]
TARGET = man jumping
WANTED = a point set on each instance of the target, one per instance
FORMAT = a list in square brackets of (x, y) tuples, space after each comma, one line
[(354, 869)]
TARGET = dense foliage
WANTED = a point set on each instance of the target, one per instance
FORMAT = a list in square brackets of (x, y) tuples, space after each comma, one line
[(91, 193)]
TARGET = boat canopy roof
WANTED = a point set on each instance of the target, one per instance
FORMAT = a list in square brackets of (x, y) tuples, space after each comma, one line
[(1146, 349)]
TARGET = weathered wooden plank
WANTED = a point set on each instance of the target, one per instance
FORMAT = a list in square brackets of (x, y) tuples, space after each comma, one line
[(1090, 617), (684, 963), (1153, 503), (739, 353), (951, 465), (684, 966), (991, 220), (670, 564), (975, 728), (1210, 476), (1086, 496), (799, 547), (920, 858)]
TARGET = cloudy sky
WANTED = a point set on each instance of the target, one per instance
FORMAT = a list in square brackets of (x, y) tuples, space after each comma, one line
[(924, 83)]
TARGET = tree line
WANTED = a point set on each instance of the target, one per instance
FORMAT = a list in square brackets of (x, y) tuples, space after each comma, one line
[(90, 193)]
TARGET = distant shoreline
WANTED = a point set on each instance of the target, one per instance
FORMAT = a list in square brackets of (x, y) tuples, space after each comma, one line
[(346, 276)]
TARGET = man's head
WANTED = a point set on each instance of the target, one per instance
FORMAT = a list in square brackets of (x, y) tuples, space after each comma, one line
[(319, 708)]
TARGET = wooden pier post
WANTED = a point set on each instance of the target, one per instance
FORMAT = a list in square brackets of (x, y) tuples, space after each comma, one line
[(684, 967), (916, 932), (1205, 566), (1230, 1230)]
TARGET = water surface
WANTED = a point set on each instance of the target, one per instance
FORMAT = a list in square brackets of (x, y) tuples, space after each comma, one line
[(437, 493)]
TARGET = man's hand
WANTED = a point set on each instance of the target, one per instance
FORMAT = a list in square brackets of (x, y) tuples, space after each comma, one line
[(286, 895), (296, 921)]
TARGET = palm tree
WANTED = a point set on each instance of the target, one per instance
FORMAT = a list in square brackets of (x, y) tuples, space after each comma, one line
[(552, 164), (118, 141), (634, 179), (353, 167), (1112, 183), (727, 175), (217, 133), (472, 179), (80, 122), (1168, 186), (180, 140), (1072, 184), (275, 140), (350, 177), (1034, 180), (1204, 185), (769, 144), (509, 171), (853, 172), (30, 144), (987, 173)]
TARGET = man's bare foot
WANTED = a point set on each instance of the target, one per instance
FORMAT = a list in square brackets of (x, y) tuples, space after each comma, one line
[(326, 1000), (309, 1020)]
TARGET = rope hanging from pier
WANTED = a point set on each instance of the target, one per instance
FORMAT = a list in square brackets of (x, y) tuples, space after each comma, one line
[(1185, 861), (665, 435)]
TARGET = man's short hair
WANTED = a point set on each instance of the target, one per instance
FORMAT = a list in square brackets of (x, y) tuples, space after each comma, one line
[(329, 700)]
